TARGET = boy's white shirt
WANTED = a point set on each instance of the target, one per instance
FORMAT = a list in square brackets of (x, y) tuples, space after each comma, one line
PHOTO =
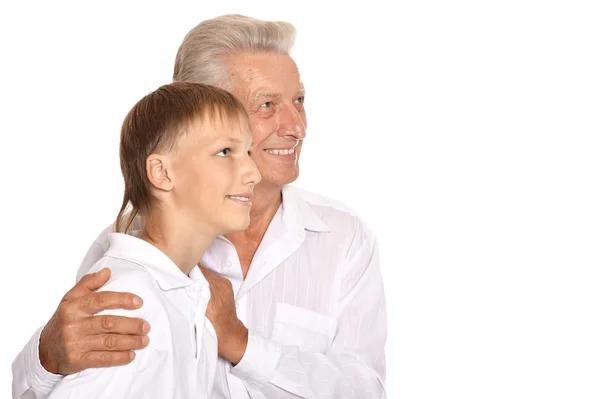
[(181, 357)]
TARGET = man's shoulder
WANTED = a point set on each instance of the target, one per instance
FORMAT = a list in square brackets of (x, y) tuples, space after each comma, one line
[(334, 212), (323, 203)]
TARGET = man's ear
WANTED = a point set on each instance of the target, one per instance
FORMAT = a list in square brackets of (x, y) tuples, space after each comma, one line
[(157, 170)]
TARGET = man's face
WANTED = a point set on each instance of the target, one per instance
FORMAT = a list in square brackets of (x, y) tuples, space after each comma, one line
[(269, 86)]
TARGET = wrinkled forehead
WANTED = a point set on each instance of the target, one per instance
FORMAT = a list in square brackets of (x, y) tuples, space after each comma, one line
[(250, 73)]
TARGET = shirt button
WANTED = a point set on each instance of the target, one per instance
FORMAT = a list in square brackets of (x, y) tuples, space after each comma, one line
[(228, 264), (193, 291)]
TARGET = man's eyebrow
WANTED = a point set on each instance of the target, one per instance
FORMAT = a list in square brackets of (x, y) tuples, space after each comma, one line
[(270, 94)]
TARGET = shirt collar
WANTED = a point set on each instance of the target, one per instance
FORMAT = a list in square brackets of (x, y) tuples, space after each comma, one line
[(296, 211), (164, 271)]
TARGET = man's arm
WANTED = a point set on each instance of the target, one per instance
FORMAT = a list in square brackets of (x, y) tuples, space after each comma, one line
[(353, 367), (132, 377), (75, 339)]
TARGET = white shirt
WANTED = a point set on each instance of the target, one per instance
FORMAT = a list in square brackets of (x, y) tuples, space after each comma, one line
[(313, 302), (181, 357)]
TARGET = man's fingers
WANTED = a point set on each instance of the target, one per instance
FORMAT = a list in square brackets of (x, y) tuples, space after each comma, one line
[(99, 301), (207, 273), (114, 342), (106, 359), (115, 324), (88, 283), (210, 275)]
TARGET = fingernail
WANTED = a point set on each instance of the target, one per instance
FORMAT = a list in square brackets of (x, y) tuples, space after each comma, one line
[(145, 327), (131, 355), (137, 301), (145, 340)]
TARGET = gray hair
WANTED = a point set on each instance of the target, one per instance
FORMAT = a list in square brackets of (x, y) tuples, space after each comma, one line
[(201, 58)]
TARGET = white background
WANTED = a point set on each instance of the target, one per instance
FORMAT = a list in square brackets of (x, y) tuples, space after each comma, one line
[(465, 133)]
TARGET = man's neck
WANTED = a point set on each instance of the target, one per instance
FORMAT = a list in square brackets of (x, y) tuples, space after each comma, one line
[(173, 235), (265, 203)]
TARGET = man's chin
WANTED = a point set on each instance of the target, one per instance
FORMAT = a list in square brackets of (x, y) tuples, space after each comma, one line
[(288, 177)]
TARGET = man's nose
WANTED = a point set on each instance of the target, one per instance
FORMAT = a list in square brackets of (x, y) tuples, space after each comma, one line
[(290, 123)]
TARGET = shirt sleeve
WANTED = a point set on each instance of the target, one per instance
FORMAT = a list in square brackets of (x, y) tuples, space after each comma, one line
[(106, 383), (30, 378), (354, 365)]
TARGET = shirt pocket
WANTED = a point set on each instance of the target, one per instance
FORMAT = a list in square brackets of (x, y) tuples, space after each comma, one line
[(309, 330)]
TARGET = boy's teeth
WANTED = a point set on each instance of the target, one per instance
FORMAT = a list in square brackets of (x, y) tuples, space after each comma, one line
[(239, 198)]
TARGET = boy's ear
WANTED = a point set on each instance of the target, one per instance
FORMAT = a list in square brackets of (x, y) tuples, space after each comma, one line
[(158, 172)]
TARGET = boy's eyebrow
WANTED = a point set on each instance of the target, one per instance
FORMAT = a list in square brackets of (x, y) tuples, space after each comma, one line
[(238, 141)]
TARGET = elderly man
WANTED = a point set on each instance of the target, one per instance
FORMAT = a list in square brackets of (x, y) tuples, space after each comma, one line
[(297, 299)]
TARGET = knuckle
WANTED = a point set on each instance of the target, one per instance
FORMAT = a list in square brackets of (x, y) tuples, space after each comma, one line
[(108, 322), (101, 299), (105, 358), (110, 342), (63, 311)]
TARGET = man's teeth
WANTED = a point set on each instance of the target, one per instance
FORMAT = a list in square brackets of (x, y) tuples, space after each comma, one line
[(280, 152), (239, 198)]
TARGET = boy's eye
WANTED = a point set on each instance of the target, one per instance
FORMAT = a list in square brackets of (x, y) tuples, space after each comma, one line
[(225, 152)]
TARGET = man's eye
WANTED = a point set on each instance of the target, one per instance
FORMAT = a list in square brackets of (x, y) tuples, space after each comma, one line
[(268, 104), (225, 153), (300, 99)]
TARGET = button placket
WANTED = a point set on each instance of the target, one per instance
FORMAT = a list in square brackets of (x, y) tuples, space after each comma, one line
[(195, 294), (240, 309), (199, 329)]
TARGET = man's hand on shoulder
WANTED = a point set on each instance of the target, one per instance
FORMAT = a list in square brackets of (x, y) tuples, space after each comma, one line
[(76, 339)]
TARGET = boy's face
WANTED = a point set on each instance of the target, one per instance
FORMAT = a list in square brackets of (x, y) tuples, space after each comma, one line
[(214, 176)]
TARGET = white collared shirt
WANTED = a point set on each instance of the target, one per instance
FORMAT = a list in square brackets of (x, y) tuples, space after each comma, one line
[(313, 302), (181, 357)]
